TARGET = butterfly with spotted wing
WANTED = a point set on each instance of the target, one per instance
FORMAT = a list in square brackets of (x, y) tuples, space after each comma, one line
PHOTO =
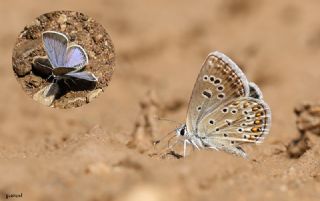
[(225, 109)]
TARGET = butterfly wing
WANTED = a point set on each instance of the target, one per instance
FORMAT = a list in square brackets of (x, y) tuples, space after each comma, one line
[(255, 91), (55, 44), (219, 81), (84, 75), (42, 66), (76, 57), (242, 120)]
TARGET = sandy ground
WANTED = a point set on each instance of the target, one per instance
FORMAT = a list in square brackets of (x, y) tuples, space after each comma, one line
[(82, 154)]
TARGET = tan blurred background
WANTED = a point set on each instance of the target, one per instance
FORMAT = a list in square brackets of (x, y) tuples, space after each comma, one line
[(81, 154)]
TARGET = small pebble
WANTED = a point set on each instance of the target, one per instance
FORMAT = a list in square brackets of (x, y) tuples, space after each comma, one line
[(47, 95), (62, 19)]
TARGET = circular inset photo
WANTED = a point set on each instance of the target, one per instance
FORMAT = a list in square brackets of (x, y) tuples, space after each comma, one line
[(63, 59)]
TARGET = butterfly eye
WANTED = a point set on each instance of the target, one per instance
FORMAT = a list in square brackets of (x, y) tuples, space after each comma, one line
[(205, 77), (211, 78), (240, 130), (182, 132), (233, 111), (211, 121)]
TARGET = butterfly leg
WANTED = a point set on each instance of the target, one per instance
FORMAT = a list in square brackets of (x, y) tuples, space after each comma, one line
[(174, 144), (185, 147), (48, 78), (195, 145), (214, 148), (170, 147), (185, 142), (74, 82), (55, 80)]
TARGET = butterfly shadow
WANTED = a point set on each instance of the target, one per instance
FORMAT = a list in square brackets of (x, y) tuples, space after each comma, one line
[(42, 67)]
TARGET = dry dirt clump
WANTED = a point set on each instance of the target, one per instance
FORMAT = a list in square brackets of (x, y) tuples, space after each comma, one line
[(308, 118), (308, 124), (144, 137), (146, 124)]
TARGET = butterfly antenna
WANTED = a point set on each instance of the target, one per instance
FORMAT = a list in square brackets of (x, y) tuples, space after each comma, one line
[(169, 120), (169, 141), (158, 141)]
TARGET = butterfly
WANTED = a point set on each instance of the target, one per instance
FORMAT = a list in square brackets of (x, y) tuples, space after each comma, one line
[(225, 110), (66, 60)]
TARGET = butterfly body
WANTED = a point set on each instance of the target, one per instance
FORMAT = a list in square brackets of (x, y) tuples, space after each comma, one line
[(225, 110), (190, 138), (60, 71)]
